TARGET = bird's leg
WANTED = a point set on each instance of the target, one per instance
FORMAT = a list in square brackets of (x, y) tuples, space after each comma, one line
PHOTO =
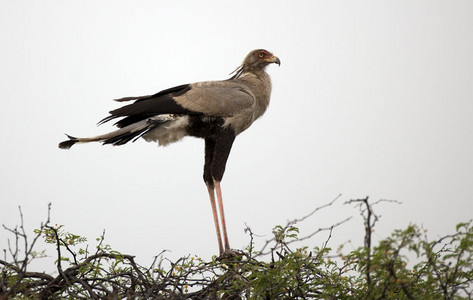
[(214, 212), (217, 150), (222, 216), (209, 151), (222, 147)]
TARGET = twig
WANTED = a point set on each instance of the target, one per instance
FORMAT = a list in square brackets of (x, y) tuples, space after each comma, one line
[(295, 221)]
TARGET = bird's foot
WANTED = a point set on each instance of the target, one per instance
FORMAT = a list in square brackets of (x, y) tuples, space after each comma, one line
[(230, 254)]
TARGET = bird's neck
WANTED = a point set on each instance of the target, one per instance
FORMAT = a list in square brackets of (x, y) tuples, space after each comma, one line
[(260, 84)]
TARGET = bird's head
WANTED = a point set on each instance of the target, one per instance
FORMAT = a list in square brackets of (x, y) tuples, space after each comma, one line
[(256, 59), (260, 58)]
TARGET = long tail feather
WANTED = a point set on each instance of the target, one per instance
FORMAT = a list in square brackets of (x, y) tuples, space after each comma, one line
[(120, 136), (68, 144)]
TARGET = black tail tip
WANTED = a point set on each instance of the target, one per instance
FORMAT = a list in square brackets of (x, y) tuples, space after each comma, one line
[(68, 144)]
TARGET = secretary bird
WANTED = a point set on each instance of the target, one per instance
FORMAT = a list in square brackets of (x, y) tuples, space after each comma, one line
[(216, 111)]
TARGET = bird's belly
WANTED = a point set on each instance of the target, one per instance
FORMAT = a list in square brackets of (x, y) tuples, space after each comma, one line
[(176, 127), (204, 126)]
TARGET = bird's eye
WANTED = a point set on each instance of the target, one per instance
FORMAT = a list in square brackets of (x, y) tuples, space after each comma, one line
[(261, 55)]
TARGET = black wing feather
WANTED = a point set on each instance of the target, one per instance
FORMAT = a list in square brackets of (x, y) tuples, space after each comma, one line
[(132, 135), (148, 106)]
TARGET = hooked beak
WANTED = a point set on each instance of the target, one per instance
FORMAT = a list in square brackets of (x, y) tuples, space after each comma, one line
[(275, 59)]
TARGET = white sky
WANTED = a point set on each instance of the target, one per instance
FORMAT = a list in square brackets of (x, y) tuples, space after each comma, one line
[(372, 98)]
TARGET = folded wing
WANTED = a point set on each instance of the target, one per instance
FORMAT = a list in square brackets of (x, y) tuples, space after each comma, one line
[(212, 98)]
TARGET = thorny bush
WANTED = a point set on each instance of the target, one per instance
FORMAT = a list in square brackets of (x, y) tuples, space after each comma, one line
[(405, 265)]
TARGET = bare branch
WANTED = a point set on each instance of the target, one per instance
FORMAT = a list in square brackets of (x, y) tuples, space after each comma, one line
[(298, 220)]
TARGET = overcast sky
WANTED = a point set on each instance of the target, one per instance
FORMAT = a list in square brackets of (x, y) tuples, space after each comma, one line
[(371, 98)]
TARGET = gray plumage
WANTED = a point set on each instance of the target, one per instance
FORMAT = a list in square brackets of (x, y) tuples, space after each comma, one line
[(217, 111), (239, 101)]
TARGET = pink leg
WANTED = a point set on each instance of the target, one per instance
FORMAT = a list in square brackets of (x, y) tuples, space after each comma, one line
[(214, 212), (222, 214)]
